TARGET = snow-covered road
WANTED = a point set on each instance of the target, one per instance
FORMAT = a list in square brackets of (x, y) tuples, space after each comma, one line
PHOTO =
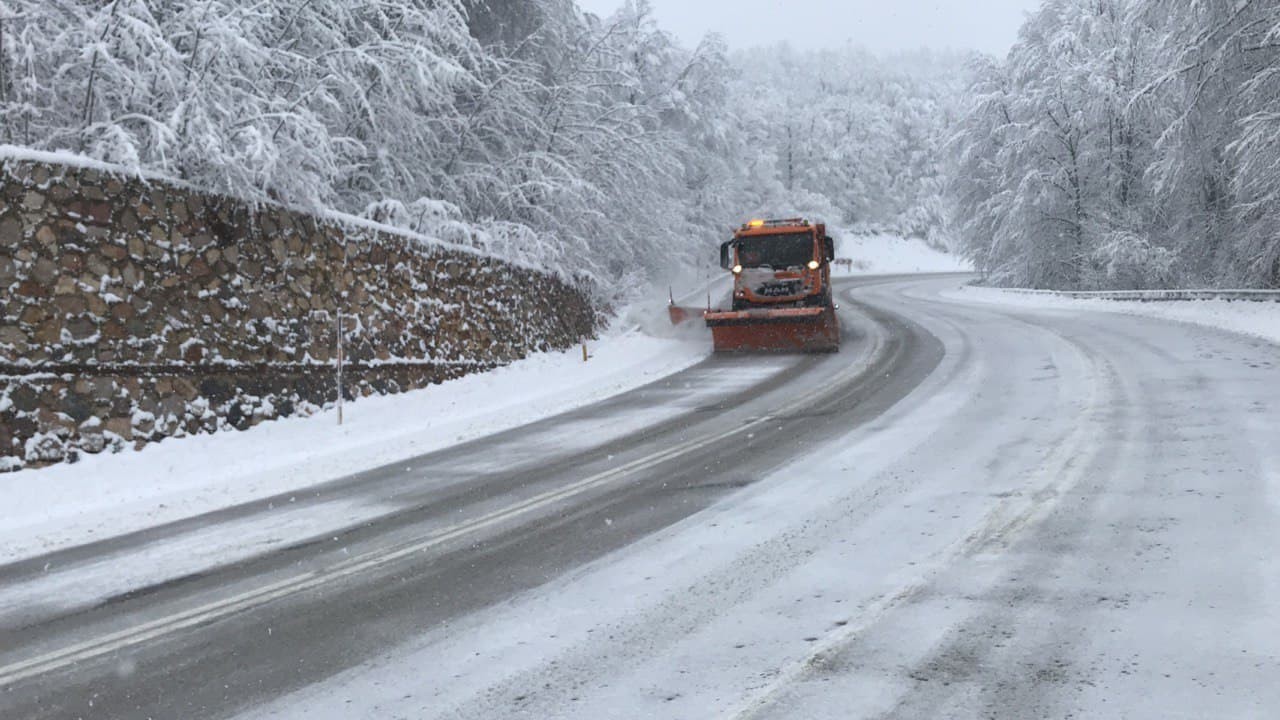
[(1076, 515), (985, 511)]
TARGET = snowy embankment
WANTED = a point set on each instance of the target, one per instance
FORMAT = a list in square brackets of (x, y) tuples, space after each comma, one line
[(1256, 319), (105, 495), (890, 254)]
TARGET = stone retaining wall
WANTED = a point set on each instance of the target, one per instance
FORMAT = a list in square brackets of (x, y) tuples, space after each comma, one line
[(135, 310)]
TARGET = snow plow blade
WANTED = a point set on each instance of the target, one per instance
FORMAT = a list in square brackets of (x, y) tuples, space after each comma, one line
[(681, 315), (786, 330)]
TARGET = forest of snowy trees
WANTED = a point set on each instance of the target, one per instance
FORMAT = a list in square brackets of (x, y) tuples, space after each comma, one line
[(1121, 144), (599, 147), (1126, 144)]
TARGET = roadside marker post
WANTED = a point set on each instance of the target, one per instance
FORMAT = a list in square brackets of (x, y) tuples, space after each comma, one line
[(340, 359)]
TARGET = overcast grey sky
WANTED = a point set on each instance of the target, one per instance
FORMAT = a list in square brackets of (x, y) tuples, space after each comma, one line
[(882, 25)]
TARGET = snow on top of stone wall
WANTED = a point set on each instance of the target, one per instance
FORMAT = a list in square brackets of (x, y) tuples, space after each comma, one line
[(13, 153), (16, 153)]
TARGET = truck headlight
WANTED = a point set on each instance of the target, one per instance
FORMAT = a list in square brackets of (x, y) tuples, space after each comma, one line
[(737, 269), (813, 264)]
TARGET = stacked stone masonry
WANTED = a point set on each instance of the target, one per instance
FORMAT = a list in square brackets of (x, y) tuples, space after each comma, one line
[(132, 311)]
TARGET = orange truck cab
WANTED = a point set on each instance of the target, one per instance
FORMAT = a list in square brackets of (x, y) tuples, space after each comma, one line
[(779, 263)]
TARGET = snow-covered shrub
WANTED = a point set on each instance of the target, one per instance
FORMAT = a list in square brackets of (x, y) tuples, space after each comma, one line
[(1126, 261)]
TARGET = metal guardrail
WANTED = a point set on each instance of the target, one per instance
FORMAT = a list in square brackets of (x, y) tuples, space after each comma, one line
[(1157, 295)]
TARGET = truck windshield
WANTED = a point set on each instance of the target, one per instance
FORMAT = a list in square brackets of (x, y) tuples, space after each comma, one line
[(776, 251)]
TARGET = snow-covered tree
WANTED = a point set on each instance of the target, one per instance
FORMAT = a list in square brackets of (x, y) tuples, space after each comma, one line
[(1126, 134), (1219, 157), (862, 133), (599, 147)]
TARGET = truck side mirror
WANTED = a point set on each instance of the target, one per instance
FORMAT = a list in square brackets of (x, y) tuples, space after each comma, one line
[(726, 257), (829, 248)]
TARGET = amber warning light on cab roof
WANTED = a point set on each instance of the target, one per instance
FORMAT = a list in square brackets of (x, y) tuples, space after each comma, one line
[(786, 222)]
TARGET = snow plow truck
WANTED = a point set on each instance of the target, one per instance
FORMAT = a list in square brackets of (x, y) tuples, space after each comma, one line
[(782, 299)]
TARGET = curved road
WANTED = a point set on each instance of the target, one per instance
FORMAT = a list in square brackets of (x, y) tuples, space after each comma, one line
[(971, 511)]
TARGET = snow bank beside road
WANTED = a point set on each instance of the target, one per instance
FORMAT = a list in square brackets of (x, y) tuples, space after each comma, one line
[(890, 254), (65, 505), (1256, 319)]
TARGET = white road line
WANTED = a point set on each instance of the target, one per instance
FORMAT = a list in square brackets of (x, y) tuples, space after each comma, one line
[(208, 613)]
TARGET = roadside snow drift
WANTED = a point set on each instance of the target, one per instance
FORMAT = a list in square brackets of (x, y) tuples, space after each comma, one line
[(890, 254), (1256, 319)]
